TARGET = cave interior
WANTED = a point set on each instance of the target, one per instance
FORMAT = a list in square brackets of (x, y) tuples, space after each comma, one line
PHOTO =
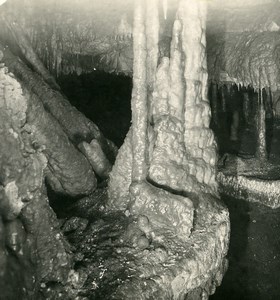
[(139, 150)]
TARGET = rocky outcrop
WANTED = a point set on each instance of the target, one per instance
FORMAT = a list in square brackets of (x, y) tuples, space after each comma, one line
[(29, 235), (37, 148), (74, 123), (68, 169)]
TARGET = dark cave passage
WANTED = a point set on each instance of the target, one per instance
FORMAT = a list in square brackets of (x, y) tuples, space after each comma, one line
[(229, 101), (253, 255), (102, 97)]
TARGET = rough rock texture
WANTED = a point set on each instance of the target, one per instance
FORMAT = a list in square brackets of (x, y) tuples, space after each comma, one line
[(266, 192), (199, 139), (121, 257), (96, 157), (248, 58), (50, 251), (120, 176), (21, 172), (172, 240), (25, 45), (174, 269), (171, 213), (30, 239), (74, 123), (174, 167), (73, 37), (69, 170), (250, 179)]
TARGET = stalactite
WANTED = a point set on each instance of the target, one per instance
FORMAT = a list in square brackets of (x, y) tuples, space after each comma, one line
[(224, 106), (261, 151), (246, 107), (139, 95), (74, 123), (269, 102), (20, 38), (214, 102)]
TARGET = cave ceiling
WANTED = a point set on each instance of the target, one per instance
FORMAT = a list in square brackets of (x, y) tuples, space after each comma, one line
[(84, 35)]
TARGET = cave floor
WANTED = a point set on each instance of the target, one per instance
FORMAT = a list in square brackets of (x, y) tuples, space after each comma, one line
[(254, 253)]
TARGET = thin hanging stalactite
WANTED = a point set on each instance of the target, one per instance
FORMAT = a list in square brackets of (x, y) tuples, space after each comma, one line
[(139, 96), (261, 152), (214, 102)]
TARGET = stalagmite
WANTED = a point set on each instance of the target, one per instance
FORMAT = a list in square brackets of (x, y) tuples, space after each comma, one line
[(197, 110), (147, 199), (181, 169)]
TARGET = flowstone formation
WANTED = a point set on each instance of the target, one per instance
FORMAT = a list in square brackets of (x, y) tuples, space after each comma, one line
[(165, 171), (159, 230)]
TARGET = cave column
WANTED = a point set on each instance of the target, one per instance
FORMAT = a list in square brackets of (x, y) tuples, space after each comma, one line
[(139, 103), (152, 40)]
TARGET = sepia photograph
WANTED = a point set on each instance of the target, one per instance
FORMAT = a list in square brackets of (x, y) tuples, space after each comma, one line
[(139, 150)]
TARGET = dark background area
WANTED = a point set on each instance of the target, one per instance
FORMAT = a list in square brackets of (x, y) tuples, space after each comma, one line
[(104, 98)]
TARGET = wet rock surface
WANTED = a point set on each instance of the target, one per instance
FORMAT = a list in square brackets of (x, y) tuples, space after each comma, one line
[(120, 256), (35, 256), (253, 255)]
